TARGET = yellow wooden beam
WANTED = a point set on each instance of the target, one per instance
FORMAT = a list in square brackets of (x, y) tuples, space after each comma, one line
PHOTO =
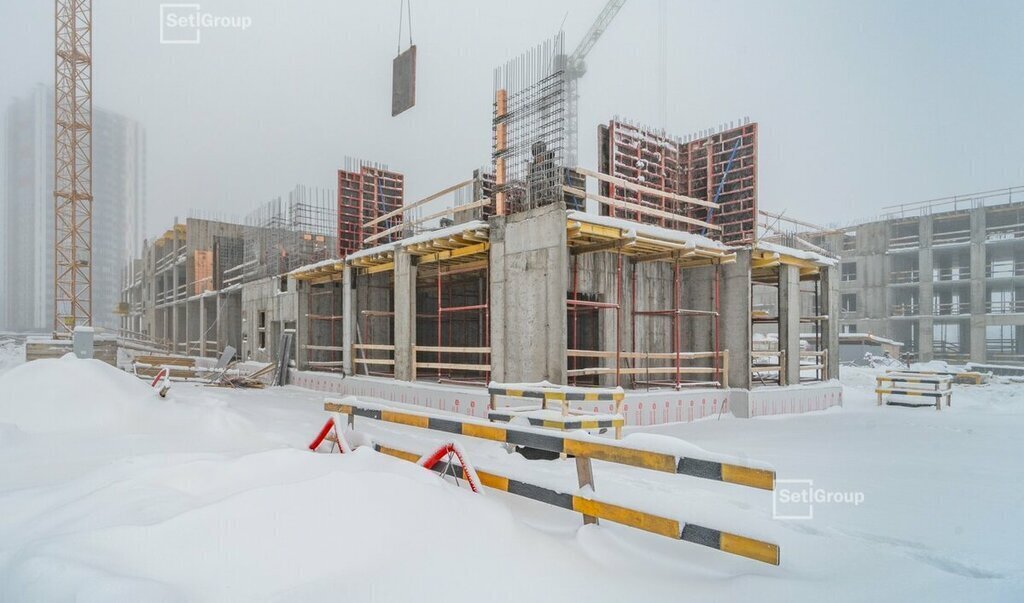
[(455, 253)]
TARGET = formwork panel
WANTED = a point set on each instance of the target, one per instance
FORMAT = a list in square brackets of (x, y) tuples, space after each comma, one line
[(720, 167), (363, 196)]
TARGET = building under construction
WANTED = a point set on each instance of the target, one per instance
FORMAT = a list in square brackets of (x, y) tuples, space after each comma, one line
[(640, 273)]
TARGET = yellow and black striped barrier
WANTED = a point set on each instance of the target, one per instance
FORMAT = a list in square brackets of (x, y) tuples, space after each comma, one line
[(890, 384), (569, 444), (556, 395), (726, 542), (569, 424)]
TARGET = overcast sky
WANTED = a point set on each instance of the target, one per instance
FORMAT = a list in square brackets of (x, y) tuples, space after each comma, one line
[(861, 103)]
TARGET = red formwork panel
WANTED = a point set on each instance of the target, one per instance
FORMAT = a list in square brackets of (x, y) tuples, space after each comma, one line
[(364, 196), (695, 168)]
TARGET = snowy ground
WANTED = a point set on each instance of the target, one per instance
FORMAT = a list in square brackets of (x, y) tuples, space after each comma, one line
[(108, 493)]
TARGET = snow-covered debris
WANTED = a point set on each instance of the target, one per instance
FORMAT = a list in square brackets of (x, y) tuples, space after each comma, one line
[(817, 258)]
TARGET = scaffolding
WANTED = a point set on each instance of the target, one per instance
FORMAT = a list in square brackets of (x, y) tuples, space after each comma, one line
[(286, 233), (530, 128), (768, 360), (370, 198), (621, 251), (716, 168), (455, 296)]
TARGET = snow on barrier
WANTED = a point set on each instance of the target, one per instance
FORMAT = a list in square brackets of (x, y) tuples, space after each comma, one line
[(162, 379), (584, 448), (936, 386), (569, 419)]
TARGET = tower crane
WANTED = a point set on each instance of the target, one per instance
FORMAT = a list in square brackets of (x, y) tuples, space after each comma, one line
[(576, 67), (72, 154)]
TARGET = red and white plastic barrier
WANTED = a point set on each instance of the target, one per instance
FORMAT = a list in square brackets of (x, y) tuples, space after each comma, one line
[(427, 461), (163, 380), (339, 434), (449, 449)]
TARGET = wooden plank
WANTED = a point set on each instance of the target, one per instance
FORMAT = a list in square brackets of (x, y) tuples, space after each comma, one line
[(454, 350), (404, 208), (646, 189), (453, 366), (642, 209), (444, 212)]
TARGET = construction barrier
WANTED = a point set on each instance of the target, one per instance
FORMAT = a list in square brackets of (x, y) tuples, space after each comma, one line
[(547, 393), (584, 448), (936, 386)]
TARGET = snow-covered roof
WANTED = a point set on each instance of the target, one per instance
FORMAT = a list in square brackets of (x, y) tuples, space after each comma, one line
[(369, 251), (648, 230), (441, 233), (868, 337), (315, 265), (810, 256)]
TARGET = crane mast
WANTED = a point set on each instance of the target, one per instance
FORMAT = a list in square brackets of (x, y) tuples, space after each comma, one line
[(575, 67), (72, 173)]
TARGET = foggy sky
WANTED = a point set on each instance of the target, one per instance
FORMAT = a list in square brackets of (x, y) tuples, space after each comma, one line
[(860, 104)]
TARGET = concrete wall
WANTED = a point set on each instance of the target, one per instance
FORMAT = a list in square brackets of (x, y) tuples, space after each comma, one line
[(280, 312), (877, 291), (529, 281)]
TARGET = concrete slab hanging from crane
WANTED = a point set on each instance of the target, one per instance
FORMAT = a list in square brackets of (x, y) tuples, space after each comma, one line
[(403, 81)]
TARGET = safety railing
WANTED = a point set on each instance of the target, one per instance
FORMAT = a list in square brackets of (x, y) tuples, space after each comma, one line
[(1004, 307), (480, 369), (900, 277), (905, 309), (814, 360), (905, 242), (961, 273), (767, 366), (1004, 231), (366, 357), (582, 497), (1004, 271), (951, 308), (659, 368), (951, 237)]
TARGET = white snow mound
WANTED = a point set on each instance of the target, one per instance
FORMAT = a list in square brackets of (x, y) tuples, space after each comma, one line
[(70, 394)]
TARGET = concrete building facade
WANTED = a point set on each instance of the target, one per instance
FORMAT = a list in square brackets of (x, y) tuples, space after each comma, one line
[(26, 210), (948, 284)]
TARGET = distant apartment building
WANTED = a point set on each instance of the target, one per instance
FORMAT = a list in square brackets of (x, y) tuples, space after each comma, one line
[(26, 210), (945, 278)]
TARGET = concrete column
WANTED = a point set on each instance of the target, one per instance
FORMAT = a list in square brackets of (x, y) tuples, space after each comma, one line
[(925, 339), (789, 321), (405, 314), (735, 318), (229, 321), (202, 327), (978, 292), (829, 301), (529, 280), (925, 291), (303, 335), (348, 322)]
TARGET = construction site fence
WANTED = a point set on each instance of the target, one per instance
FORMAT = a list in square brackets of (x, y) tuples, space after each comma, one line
[(584, 448)]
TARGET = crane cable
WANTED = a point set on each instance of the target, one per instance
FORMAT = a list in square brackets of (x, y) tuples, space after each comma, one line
[(408, 9)]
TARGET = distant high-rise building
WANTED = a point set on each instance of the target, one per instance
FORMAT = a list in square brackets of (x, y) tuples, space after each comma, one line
[(26, 210)]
